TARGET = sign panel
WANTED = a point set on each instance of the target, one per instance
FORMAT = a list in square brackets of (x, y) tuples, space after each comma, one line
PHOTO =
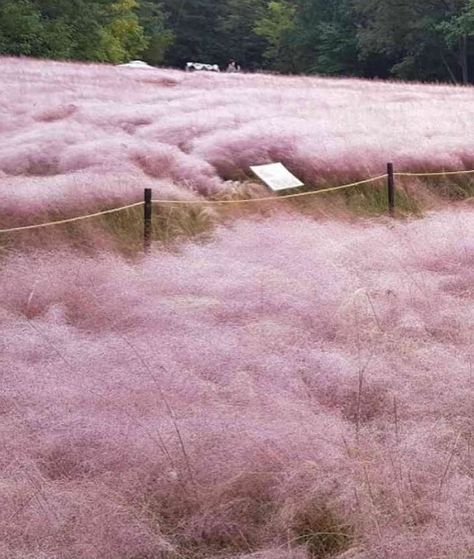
[(276, 176)]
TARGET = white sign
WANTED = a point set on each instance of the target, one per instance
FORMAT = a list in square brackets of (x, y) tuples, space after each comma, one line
[(276, 176)]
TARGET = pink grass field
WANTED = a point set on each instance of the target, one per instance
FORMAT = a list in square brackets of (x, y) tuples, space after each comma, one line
[(287, 388), (288, 379), (75, 137)]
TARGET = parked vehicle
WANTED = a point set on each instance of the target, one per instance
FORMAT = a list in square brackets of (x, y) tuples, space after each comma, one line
[(139, 64), (200, 67)]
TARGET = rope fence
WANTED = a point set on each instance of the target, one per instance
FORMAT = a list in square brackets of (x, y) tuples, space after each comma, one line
[(270, 198), (72, 219), (148, 202), (438, 174)]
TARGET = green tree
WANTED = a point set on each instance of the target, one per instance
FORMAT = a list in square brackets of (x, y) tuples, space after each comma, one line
[(235, 27), (160, 38), (195, 25), (275, 25), (325, 37), (417, 35), (409, 39), (123, 38), (75, 29), (21, 28), (58, 40), (99, 30), (458, 32)]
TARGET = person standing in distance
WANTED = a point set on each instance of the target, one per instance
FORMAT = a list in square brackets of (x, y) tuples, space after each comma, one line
[(232, 68)]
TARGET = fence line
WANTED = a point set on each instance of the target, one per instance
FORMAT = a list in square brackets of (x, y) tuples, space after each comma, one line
[(270, 198), (439, 174), (232, 202), (71, 220)]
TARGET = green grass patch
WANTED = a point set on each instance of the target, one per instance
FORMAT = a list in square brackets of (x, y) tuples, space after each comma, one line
[(451, 187), (123, 230), (372, 199), (363, 200), (322, 533)]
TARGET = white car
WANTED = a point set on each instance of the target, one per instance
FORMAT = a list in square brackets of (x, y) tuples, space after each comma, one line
[(139, 64), (200, 67)]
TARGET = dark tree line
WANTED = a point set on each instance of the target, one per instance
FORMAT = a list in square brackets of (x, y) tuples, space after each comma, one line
[(407, 39)]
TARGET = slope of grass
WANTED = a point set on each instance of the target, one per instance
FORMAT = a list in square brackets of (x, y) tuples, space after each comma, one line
[(264, 384), (288, 389), (80, 137)]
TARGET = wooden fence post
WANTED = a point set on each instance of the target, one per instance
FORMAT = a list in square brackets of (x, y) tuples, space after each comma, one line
[(391, 189), (148, 212)]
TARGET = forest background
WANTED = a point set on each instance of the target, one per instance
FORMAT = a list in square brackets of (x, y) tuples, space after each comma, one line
[(423, 40)]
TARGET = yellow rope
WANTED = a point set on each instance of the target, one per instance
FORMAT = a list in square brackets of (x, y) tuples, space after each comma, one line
[(439, 174), (70, 220), (268, 198), (228, 202)]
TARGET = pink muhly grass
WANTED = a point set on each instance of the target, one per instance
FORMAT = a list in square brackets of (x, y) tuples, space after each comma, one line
[(289, 389), (105, 127)]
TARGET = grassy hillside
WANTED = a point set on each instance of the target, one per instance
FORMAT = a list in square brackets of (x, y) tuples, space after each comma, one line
[(287, 382), (81, 137), (289, 387)]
